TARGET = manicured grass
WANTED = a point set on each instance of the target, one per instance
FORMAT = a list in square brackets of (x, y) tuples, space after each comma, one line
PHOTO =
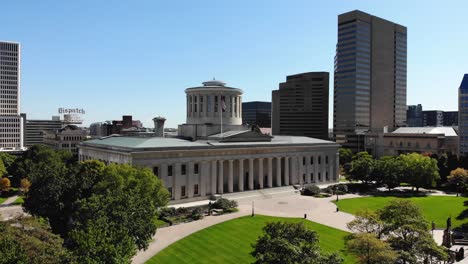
[(230, 242), (19, 201), (437, 208), (2, 200)]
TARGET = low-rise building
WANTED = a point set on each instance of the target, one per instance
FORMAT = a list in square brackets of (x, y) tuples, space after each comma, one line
[(434, 140), (66, 138), (34, 129)]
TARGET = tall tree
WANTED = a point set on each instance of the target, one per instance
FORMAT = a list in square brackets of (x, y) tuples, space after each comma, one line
[(361, 168), (346, 155), (371, 250), (290, 243), (421, 171), (388, 170), (367, 221), (458, 179)]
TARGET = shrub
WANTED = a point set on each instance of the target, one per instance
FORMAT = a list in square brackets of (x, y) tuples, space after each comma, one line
[(167, 212), (311, 190), (182, 211), (224, 204), (5, 184), (196, 214), (337, 188), (25, 185)]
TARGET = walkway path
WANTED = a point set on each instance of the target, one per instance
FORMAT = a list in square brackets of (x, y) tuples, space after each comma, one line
[(8, 210), (320, 210)]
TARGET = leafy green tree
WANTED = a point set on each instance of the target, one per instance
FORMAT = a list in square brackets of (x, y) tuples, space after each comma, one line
[(407, 231), (361, 168), (421, 171), (3, 170), (371, 250), (367, 221), (7, 160), (388, 170), (290, 243), (346, 155), (29, 240), (458, 179)]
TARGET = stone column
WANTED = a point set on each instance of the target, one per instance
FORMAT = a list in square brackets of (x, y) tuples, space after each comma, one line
[(316, 168), (307, 169), (241, 175), (190, 181), (286, 171), (300, 169), (177, 186), (278, 171), (221, 177), (204, 173), (293, 174), (270, 172), (251, 174), (213, 177), (231, 177), (322, 166), (260, 173), (337, 166)]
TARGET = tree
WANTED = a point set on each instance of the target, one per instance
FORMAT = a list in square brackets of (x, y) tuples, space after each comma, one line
[(346, 155), (388, 170), (367, 221), (25, 185), (7, 160), (104, 213), (5, 184), (3, 170), (458, 179), (361, 168), (371, 250), (288, 243), (29, 240), (407, 232), (421, 171)]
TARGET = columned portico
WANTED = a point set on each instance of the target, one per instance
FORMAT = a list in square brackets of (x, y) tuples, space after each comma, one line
[(270, 172), (241, 175), (251, 174), (261, 176), (278, 171), (231, 176), (221, 177), (308, 169), (213, 177), (286, 171)]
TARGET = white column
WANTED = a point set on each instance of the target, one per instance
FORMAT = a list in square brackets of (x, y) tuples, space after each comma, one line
[(300, 169), (204, 173), (177, 185), (322, 166), (278, 171), (308, 169), (190, 181), (270, 172), (337, 166), (286, 171), (213, 177), (260, 173), (221, 177), (231, 177), (241, 175), (251, 174), (293, 174), (316, 168)]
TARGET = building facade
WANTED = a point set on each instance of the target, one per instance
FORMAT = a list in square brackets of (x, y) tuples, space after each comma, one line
[(450, 118), (66, 138), (433, 118), (197, 165), (300, 106), (463, 116), (256, 113), (370, 77), (414, 116), (434, 140), (11, 123), (36, 128)]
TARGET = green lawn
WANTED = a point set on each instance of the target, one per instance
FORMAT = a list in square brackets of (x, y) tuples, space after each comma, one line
[(230, 242), (437, 208), (19, 201), (2, 200)]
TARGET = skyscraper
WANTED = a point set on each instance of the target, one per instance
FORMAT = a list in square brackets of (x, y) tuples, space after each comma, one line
[(300, 106), (414, 115), (11, 136), (463, 116), (256, 113), (370, 77)]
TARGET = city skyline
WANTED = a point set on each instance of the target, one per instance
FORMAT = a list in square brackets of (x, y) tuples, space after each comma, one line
[(74, 56)]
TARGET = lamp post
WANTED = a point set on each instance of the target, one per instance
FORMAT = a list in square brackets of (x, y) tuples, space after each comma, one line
[(253, 209)]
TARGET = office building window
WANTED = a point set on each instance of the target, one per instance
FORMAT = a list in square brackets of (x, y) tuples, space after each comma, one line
[(156, 170)]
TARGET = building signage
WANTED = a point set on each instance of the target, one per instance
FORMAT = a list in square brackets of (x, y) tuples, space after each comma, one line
[(71, 111)]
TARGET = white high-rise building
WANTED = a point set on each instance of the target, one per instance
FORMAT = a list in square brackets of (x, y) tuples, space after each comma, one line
[(11, 136)]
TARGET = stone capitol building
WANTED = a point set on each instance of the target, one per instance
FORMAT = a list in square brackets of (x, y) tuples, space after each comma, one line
[(215, 154)]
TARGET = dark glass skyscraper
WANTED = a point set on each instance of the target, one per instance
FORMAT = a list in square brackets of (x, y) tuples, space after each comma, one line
[(463, 116), (370, 77)]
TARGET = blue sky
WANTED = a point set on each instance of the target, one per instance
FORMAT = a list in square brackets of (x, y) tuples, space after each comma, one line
[(137, 57)]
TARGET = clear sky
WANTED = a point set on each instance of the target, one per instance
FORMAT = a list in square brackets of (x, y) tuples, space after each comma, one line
[(137, 57)]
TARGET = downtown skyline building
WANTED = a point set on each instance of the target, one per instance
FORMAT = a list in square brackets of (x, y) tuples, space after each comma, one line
[(11, 122), (463, 116), (370, 78), (300, 106)]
